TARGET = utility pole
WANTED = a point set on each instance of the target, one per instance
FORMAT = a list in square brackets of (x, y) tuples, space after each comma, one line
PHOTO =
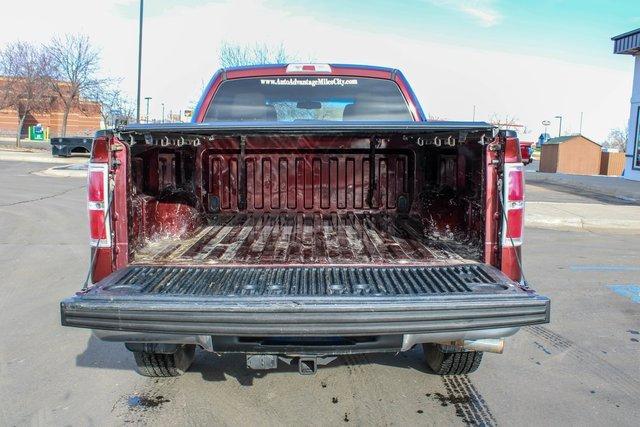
[(147, 98), (581, 116), (559, 126), (139, 62)]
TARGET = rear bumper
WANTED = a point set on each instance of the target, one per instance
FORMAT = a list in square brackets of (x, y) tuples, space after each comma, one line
[(442, 315)]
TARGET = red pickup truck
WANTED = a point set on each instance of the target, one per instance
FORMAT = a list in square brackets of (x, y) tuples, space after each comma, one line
[(309, 211)]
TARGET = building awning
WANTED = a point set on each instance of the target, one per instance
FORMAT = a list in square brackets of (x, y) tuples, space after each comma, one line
[(627, 43)]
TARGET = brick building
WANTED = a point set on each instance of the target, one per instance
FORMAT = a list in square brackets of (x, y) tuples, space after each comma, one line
[(84, 119)]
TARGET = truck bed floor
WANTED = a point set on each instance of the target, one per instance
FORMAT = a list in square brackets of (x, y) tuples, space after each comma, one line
[(349, 238)]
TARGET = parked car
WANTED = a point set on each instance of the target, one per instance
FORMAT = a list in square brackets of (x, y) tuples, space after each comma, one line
[(309, 211), (65, 147), (526, 151)]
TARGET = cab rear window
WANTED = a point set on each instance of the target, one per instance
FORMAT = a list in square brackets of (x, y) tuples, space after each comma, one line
[(306, 98)]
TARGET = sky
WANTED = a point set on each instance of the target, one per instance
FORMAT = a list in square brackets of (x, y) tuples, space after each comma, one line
[(531, 59)]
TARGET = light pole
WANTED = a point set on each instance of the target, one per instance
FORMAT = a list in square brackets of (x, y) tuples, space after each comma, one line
[(581, 117), (474, 114), (560, 125), (163, 112), (545, 123), (147, 98), (139, 61)]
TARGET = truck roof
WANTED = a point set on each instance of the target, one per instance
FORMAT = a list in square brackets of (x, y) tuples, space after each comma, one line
[(354, 70), (332, 65), (334, 69)]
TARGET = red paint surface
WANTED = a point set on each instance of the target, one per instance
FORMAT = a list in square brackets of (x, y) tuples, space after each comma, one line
[(102, 264), (152, 218), (100, 150), (512, 151), (281, 70), (491, 205), (509, 262), (308, 181), (524, 152), (120, 218)]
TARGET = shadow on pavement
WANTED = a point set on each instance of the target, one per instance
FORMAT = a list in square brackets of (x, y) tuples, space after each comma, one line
[(105, 355), (216, 367)]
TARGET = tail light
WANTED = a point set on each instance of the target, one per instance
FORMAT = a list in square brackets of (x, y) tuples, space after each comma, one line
[(97, 204), (513, 204)]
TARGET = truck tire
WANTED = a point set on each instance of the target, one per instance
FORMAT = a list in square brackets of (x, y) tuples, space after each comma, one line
[(165, 365), (443, 360)]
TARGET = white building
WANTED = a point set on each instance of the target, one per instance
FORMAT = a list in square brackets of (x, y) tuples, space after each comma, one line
[(629, 44)]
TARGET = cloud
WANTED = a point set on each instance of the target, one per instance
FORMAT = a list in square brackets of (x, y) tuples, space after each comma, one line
[(482, 11)]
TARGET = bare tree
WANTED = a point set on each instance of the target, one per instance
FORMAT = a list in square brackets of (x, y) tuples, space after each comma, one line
[(114, 106), (508, 122), (75, 65), (25, 87), (617, 138), (234, 55)]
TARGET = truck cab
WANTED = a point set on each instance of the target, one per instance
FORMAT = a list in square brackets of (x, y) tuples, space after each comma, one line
[(309, 211)]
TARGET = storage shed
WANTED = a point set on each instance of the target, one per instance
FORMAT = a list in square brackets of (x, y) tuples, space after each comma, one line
[(612, 164), (573, 154)]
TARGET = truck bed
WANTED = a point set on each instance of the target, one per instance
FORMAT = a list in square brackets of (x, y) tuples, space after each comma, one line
[(306, 238)]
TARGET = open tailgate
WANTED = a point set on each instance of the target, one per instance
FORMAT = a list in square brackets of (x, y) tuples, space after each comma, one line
[(305, 300)]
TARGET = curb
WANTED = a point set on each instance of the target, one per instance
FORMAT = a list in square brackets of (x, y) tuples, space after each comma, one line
[(41, 157), (62, 173), (581, 224)]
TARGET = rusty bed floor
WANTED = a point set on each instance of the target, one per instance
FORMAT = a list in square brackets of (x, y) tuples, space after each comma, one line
[(306, 239)]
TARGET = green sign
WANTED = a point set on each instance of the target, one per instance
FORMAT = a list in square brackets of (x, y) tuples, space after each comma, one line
[(36, 133)]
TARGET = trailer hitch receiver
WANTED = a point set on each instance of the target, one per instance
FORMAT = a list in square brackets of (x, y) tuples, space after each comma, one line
[(307, 366)]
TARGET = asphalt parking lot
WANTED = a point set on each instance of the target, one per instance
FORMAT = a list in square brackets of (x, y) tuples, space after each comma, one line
[(582, 369)]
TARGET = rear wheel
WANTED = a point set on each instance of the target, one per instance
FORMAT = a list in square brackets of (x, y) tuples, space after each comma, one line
[(165, 365), (449, 360)]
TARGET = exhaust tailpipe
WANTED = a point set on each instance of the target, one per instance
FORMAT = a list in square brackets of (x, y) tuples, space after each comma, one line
[(488, 345)]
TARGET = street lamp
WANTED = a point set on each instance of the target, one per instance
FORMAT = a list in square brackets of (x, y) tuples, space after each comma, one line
[(560, 125), (163, 112), (147, 98), (544, 136), (545, 123), (139, 62)]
